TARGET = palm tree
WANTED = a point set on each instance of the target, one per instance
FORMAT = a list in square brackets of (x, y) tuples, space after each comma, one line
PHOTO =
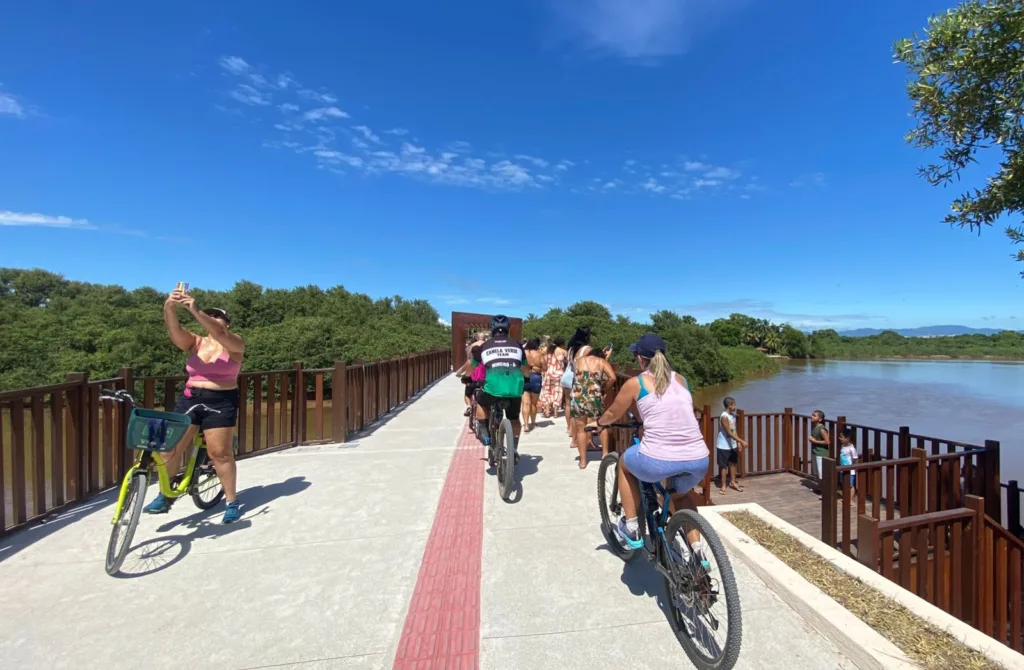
[(772, 341)]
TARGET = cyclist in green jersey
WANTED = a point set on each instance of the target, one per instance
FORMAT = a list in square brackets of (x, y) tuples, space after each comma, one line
[(505, 370)]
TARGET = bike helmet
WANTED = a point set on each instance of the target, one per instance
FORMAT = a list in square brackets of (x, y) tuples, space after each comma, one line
[(499, 322)]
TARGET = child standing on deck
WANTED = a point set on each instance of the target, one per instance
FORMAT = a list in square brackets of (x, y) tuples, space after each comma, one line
[(848, 456)]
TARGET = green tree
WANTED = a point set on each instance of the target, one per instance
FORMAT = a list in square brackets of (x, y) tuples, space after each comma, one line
[(967, 92), (794, 343), (726, 332)]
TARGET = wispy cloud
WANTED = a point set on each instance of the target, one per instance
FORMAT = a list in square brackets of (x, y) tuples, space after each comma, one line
[(312, 122), (764, 309), (9, 106), (9, 218), (638, 30), (809, 179)]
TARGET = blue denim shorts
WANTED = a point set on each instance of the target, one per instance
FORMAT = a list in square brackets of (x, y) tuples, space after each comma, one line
[(682, 475)]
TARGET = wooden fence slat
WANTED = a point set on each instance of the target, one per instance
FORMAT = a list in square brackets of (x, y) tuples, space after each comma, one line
[(38, 456), (56, 448), (243, 413), (18, 503)]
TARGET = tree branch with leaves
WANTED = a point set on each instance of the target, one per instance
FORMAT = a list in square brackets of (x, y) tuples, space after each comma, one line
[(967, 90)]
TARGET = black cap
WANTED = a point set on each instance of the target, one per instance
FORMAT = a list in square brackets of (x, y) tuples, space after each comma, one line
[(218, 313), (647, 345)]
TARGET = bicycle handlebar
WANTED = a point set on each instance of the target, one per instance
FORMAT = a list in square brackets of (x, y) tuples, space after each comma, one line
[(124, 396), (632, 426)]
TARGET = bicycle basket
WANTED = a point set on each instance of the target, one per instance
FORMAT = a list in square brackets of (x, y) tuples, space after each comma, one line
[(151, 430)]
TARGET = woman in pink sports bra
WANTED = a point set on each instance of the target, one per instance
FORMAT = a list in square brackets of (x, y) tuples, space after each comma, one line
[(213, 367)]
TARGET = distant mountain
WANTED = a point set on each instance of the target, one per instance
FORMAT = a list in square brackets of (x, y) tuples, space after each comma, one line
[(923, 331)]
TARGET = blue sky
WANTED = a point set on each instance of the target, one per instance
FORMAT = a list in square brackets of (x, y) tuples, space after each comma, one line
[(750, 151)]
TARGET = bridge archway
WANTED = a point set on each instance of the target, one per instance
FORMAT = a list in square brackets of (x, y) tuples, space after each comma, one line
[(465, 324)]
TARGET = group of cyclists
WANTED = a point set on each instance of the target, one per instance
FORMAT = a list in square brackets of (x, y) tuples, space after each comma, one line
[(671, 446)]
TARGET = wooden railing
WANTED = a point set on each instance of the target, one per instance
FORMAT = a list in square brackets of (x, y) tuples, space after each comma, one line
[(960, 560), (59, 444)]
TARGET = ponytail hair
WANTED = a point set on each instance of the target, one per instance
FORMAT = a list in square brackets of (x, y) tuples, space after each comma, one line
[(661, 371)]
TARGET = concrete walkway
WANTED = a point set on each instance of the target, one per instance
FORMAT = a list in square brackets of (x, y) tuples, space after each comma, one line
[(321, 571)]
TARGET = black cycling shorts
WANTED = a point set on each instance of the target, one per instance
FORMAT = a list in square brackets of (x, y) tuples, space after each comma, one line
[(225, 402), (515, 405)]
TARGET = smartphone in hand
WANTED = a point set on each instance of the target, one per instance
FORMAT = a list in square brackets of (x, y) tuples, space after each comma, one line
[(183, 287)]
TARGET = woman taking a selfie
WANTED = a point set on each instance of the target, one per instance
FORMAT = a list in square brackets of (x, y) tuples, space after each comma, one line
[(213, 368)]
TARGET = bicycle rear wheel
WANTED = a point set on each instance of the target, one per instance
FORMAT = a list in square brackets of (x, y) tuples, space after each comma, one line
[(701, 581), (123, 530), (506, 459), (610, 505), (206, 489)]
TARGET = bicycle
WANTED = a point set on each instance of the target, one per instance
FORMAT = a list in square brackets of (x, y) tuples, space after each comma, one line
[(690, 580), (501, 450), (152, 431)]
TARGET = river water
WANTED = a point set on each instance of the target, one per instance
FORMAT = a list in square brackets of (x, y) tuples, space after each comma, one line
[(967, 401)]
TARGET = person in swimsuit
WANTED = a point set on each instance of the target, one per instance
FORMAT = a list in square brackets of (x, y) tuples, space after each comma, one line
[(579, 345), (213, 367), (551, 393), (536, 360), (672, 446), (594, 379)]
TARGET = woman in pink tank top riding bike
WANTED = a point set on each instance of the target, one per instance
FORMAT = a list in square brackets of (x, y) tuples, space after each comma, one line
[(672, 447), (213, 367)]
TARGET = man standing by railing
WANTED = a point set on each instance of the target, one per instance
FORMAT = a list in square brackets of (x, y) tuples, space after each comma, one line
[(727, 446)]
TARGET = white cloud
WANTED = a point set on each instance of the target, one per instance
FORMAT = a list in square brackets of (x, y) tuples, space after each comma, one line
[(288, 107), (8, 218), (703, 183), (9, 106), (324, 113), (695, 166), (638, 30), (564, 165), (323, 98), (653, 186), (721, 173), (234, 64), (539, 162), (808, 179), (397, 131), (368, 134), (249, 95)]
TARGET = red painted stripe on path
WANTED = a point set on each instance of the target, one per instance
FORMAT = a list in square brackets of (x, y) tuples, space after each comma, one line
[(442, 628)]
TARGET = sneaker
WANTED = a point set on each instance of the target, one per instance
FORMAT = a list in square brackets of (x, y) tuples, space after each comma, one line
[(160, 505), (624, 534), (233, 513)]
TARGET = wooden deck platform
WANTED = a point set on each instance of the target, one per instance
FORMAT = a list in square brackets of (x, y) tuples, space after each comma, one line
[(787, 496), (792, 499)]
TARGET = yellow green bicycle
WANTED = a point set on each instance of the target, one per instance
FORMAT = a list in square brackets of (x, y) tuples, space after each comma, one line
[(152, 431)]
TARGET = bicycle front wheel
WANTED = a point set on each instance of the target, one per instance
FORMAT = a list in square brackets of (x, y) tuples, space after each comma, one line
[(124, 527), (506, 459), (206, 489), (609, 503), (704, 603)]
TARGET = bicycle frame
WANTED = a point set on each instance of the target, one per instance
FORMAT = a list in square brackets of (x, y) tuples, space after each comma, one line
[(146, 461)]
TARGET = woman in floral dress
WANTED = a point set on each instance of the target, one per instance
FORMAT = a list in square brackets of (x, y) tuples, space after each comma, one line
[(551, 391)]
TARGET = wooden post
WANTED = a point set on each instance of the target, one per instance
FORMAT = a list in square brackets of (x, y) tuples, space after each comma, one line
[(867, 541), (339, 402), (741, 431), (787, 439), (708, 429), (919, 483), (78, 462), (904, 442), (829, 501), (834, 439), (975, 565), (299, 406), (992, 492), (121, 441), (1013, 508)]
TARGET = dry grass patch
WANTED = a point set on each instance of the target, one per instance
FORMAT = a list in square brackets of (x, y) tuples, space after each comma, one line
[(925, 644)]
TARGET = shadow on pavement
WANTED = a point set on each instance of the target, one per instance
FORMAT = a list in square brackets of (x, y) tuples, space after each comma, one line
[(527, 466), (161, 553), (26, 537)]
